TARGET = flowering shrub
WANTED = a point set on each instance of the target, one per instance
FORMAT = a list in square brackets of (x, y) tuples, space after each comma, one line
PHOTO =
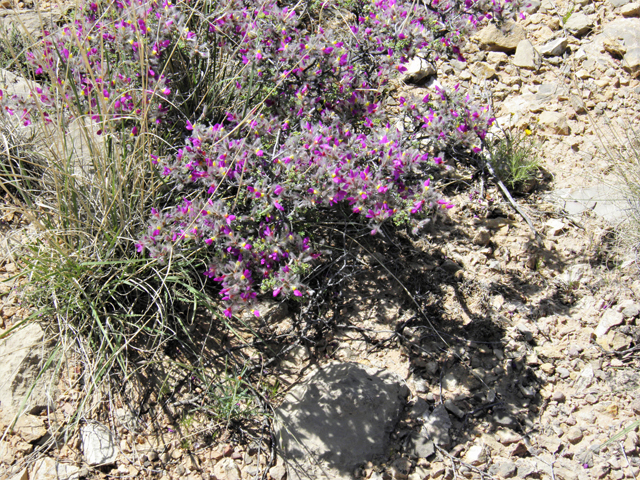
[(321, 139), (315, 130)]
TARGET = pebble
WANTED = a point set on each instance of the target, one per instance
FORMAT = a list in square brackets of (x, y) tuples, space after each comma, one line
[(548, 368), (558, 396), (504, 420), (507, 437), (453, 408), (574, 435)]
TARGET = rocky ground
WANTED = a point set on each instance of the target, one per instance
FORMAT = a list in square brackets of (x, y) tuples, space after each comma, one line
[(475, 353)]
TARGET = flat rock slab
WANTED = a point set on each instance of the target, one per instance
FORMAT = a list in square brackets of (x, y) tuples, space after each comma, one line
[(22, 355), (340, 416), (605, 201), (98, 444)]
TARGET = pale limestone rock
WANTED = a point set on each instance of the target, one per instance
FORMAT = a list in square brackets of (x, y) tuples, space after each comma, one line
[(630, 9), (555, 122), (579, 24), (98, 445), (526, 56), (501, 39), (554, 48)]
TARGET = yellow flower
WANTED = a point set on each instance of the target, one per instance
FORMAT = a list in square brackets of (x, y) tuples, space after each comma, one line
[(527, 131)]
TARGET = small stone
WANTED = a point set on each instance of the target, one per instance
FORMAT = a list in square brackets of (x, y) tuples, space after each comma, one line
[(631, 60), (277, 472), (554, 48), (501, 39), (552, 444), (555, 122), (519, 450), (30, 428), (483, 70), (558, 396), (437, 425), (216, 454), (526, 468), (418, 70), (98, 445), (609, 319), (450, 266), (21, 475), (577, 104), (631, 311), (504, 420), (453, 408), (497, 58), (476, 455), (420, 446), (615, 341), (420, 473), (548, 368), (507, 437), (228, 469), (180, 470), (578, 24), (6, 453), (630, 9), (574, 435), (526, 56), (176, 454), (503, 469), (48, 469), (614, 47)]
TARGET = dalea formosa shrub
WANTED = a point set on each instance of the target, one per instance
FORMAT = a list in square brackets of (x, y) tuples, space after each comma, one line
[(314, 133)]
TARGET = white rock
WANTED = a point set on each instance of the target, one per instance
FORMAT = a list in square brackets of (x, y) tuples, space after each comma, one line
[(22, 353), (579, 24), (555, 227), (554, 48), (476, 455), (631, 60), (609, 319), (526, 56), (630, 9), (98, 444), (418, 69), (585, 378)]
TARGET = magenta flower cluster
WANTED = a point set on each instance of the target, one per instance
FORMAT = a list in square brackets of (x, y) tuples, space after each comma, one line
[(326, 136), (315, 131)]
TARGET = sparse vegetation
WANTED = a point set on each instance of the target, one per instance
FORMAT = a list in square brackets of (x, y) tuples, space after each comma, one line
[(515, 160)]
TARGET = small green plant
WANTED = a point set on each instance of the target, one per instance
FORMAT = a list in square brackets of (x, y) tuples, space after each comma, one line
[(567, 16), (515, 160)]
